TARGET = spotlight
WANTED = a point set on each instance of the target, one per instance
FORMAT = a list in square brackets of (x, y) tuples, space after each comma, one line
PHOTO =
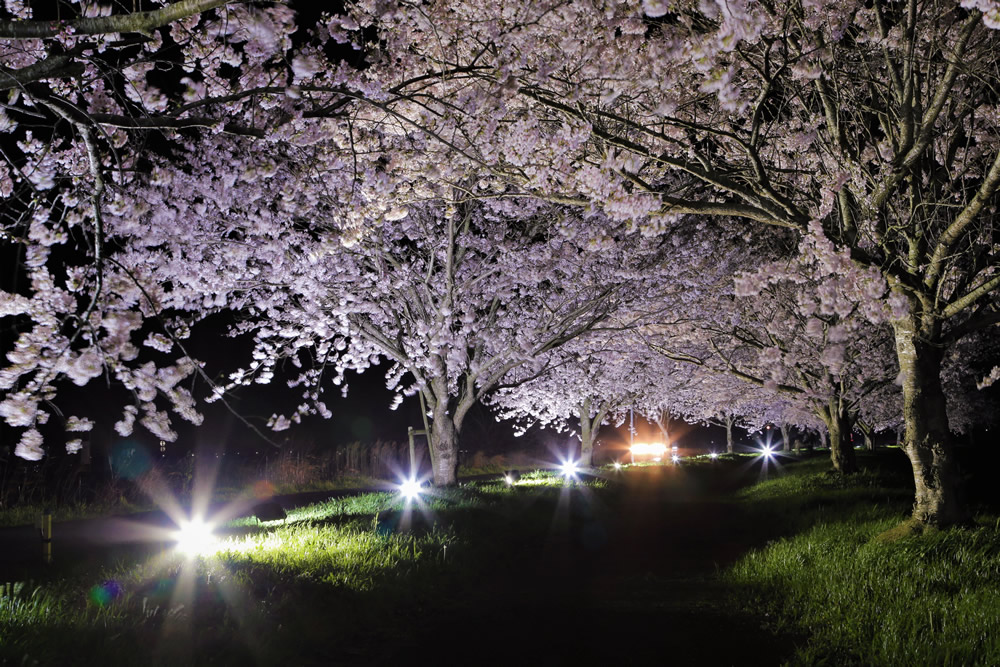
[(713, 455), (569, 469), (194, 537), (618, 465), (409, 489), (767, 451), (675, 458)]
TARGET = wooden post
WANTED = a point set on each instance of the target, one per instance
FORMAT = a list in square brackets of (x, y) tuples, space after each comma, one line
[(46, 531)]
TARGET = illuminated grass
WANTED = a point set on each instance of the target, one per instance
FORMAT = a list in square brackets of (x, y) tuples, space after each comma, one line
[(928, 600), (266, 593)]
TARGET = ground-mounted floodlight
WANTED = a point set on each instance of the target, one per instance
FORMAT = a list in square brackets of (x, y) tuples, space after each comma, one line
[(569, 468), (767, 451), (195, 537), (617, 465), (409, 489), (675, 458)]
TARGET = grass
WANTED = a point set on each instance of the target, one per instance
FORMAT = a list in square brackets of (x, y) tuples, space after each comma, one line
[(23, 515), (266, 593), (923, 600), (339, 582)]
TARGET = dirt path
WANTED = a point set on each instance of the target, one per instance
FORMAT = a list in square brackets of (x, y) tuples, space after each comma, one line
[(630, 582)]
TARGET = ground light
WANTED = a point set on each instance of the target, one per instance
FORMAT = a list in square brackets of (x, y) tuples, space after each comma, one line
[(713, 455), (675, 458), (569, 469), (618, 465), (656, 450), (767, 451), (195, 537), (409, 489)]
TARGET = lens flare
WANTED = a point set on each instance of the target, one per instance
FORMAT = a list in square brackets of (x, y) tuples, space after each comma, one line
[(195, 537), (656, 449), (569, 469), (713, 455), (675, 458), (618, 465), (410, 489)]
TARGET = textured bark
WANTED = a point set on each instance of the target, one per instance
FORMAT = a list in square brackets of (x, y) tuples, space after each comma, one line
[(589, 426), (586, 441), (927, 441), (141, 22), (447, 415), (729, 433), (838, 425), (786, 444), (444, 437)]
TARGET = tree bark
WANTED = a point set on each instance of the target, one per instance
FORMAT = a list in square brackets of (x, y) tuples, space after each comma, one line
[(868, 434), (589, 427), (729, 433), (786, 445), (446, 424), (927, 440), (838, 425), (444, 437), (586, 435)]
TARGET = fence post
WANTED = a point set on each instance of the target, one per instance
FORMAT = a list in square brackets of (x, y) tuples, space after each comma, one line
[(46, 531)]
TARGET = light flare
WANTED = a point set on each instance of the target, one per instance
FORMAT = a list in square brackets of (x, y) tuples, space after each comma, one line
[(656, 449), (409, 489), (195, 537)]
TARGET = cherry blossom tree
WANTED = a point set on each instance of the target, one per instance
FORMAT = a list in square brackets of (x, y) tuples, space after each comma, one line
[(456, 296), (869, 126), (90, 96)]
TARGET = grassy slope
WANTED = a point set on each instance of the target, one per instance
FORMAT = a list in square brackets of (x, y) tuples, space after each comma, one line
[(927, 600), (320, 588)]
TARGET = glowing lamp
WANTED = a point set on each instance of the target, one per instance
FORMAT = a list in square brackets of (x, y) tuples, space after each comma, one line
[(713, 456), (656, 449), (767, 451), (675, 458), (508, 479), (410, 489), (618, 465), (194, 537), (569, 469)]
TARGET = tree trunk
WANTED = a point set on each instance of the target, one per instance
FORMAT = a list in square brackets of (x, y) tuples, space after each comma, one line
[(444, 437), (663, 423), (587, 435), (786, 445), (868, 434), (729, 433), (589, 427), (838, 424), (927, 440)]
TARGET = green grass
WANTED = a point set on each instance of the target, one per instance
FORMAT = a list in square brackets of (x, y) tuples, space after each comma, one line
[(924, 600), (23, 515), (265, 593)]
